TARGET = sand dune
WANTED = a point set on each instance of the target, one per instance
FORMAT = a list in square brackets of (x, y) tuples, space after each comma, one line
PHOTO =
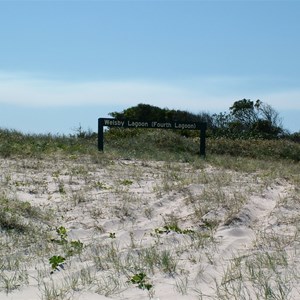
[(194, 231)]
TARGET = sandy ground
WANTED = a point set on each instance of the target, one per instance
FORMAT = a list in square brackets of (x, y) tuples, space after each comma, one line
[(236, 233)]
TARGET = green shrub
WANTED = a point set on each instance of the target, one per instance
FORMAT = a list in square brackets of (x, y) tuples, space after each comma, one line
[(255, 148)]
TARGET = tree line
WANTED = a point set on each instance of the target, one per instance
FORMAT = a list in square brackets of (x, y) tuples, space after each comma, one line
[(245, 119)]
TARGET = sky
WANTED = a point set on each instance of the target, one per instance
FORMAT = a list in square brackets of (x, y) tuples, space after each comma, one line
[(64, 64)]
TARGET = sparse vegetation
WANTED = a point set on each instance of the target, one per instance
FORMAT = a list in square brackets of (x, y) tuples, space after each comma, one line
[(140, 280), (56, 261), (146, 212)]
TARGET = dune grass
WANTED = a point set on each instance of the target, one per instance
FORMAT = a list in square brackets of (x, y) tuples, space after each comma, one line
[(140, 174), (146, 144)]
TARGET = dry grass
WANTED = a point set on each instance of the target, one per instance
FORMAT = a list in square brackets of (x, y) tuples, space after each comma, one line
[(223, 228)]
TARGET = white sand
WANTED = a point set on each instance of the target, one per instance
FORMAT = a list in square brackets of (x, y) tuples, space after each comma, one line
[(255, 217)]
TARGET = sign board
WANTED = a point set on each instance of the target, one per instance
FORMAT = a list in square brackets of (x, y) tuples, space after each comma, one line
[(151, 124)]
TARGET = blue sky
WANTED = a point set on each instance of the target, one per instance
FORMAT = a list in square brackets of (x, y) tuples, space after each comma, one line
[(65, 63)]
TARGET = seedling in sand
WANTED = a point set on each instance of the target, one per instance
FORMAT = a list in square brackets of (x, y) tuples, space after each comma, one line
[(112, 235), (56, 261), (76, 247), (140, 280), (168, 228), (62, 232), (73, 247), (126, 182)]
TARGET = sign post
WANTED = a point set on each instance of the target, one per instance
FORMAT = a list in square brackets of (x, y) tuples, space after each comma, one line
[(151, 124)]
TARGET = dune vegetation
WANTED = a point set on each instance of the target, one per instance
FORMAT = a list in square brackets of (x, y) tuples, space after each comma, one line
[(148, 218)]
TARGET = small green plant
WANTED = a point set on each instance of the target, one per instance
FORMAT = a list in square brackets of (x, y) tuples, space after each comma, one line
[(126, 182), (140, 280), (56, 261), (62, 232), (168, 228), (72, 247), (101, 185), (75, 247), (112, 235)]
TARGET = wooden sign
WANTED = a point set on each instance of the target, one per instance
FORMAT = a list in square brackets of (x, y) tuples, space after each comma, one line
[(151, 124)]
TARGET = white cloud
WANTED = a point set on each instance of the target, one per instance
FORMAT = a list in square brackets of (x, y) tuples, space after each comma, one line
[(283, 100), (202, 94), (22, 89)]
